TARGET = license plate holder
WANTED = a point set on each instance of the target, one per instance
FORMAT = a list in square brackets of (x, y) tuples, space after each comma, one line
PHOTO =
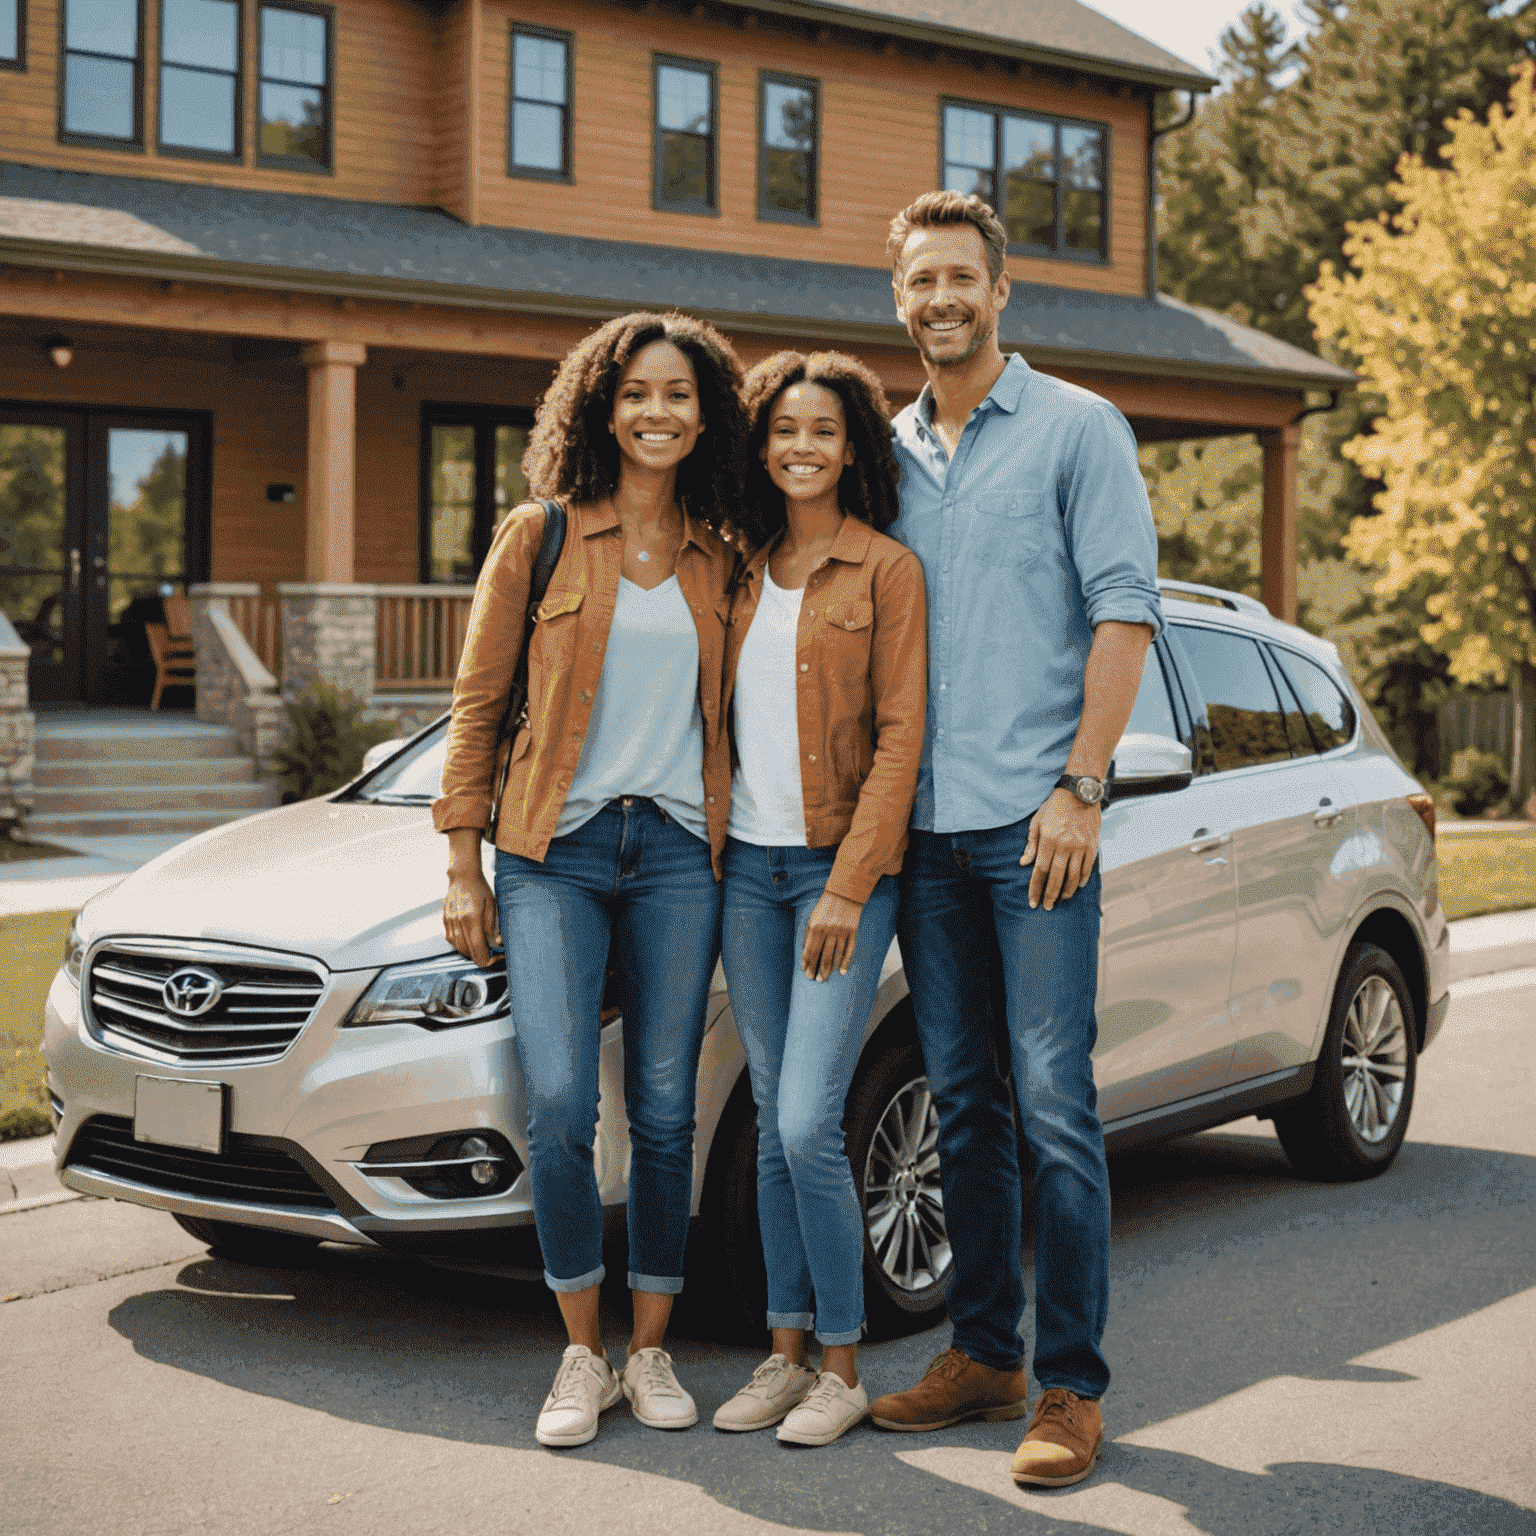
[(174, 1112)]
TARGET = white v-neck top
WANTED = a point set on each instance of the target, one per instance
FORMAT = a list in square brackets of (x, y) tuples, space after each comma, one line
[(646, 734), (767, 793)]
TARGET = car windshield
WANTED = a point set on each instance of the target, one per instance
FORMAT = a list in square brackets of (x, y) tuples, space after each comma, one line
[(412, 777)]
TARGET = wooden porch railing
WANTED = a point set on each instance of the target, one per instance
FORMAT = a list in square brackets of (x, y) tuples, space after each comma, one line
[(420, 634), (257, 618)]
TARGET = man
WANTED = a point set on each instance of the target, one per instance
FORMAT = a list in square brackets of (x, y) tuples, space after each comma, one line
[(1022, 496)]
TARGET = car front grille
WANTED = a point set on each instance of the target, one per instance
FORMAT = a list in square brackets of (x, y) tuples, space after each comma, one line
[(248, 1171), (265, 1001)]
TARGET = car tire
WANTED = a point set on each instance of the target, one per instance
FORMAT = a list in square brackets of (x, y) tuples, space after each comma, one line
[(248, 1245), (1351, 1123), (891, 1127)]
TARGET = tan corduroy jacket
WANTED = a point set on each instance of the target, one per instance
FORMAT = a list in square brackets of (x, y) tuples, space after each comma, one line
[(861, 656), (565, 662)]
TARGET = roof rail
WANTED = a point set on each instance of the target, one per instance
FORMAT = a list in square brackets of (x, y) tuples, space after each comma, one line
[(1238, 602)]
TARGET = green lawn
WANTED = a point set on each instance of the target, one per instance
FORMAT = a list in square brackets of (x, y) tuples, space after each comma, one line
[(30, 949), (1479, 872), (1487, 872)]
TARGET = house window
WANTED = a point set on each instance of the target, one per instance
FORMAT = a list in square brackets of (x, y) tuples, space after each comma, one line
[(294, 105), (791, 124), (200, 78), (539, 137), (13, 34), (102, 86), (471, 477), (1045, 176), (686, 136)]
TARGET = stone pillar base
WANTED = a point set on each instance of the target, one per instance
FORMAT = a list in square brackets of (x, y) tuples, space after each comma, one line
[(329, 634)]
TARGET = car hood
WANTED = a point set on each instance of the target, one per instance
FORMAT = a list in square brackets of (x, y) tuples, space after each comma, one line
[(352, 885)]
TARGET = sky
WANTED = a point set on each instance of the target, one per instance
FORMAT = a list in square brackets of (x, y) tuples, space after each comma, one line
[(1188, 28)]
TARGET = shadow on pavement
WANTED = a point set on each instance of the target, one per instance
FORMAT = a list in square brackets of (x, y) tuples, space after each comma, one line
[(1227, 1271)]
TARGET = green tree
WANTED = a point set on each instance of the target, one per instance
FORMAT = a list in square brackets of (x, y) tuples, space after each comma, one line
[(1440, 313), (1257, 194)]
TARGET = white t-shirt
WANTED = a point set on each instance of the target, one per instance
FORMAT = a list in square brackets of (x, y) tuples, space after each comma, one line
[(646, 734), (767, 794)]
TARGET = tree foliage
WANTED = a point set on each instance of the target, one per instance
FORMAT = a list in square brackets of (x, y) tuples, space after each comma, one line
[(1440, 313)]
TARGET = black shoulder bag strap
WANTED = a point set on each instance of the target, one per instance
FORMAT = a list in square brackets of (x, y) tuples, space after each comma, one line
[(515, 716)]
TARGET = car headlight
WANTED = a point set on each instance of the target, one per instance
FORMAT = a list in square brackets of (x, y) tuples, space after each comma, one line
[(434, 994), (74, 951)]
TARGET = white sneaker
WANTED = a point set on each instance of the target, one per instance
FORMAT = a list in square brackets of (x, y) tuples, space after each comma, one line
[(653, 1391), (830, 1408), (584, 1385), (775, 1388)]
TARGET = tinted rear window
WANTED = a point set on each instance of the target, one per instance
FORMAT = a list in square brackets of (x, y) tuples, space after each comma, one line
[(1247, 726), (1330, 715)]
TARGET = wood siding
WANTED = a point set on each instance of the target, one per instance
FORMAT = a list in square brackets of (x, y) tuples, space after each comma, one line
[(384, 133)]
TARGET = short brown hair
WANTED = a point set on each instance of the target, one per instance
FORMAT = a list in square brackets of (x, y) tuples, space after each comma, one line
[(572, 453), (939, 210), (868, 488)]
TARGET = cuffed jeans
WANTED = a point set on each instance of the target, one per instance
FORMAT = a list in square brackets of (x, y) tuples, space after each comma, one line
[(802, 1041), (632, 878), (958, 891)]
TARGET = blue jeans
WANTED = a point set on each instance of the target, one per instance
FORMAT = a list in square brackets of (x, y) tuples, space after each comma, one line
[(958, 891), (631, 879), (802, 1040)]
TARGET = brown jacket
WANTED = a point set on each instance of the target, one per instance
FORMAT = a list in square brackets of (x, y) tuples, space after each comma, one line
[(565, 662), (862, 654)]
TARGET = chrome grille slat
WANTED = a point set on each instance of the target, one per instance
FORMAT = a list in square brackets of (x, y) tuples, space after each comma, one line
[(267, 999)]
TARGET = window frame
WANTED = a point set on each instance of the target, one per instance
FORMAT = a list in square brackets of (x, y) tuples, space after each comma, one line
[(1104, 255), (1276, 654), (178, 151), (710, 208), (327, 13), (567, 146), (765, 213), (132, 146), (19, 63)]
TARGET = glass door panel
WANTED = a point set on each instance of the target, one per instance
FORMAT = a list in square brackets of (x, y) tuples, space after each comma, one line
[(471, 477), (40, 539), (451, 476), (511, 487)]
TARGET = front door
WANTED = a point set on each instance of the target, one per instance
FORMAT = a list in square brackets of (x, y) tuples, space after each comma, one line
[(101, 513), (471, 477)]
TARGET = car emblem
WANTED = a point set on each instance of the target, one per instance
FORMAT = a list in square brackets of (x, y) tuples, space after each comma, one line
[(191, 992)]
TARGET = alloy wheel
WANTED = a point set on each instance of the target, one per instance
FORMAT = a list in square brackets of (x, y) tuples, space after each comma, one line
[(1375, 1059), (903, 1201)]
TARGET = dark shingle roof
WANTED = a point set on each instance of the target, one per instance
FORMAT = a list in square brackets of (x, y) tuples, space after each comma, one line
[(169, 229), (1051, 31)]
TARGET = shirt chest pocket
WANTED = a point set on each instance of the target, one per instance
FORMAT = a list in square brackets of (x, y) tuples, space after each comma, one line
[(1009, 528), (846, 631), (553, 646)]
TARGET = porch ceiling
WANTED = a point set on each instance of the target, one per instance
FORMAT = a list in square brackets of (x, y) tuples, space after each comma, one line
[(139, 227)]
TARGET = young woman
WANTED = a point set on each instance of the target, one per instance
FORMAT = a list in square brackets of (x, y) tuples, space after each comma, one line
[(613, 816), (826, 678)]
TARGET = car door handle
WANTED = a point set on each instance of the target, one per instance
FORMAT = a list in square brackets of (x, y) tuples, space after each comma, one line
[(1327, 813), (1206, 840)]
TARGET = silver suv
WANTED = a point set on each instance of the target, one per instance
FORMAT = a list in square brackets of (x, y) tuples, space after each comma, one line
[(261, 1032)]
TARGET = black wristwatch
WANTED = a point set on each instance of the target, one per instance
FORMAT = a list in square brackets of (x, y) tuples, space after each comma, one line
[(1087, 789)]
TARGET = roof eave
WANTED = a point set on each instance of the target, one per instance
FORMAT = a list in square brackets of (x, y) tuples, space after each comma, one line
[(167, 266), (941, 36)]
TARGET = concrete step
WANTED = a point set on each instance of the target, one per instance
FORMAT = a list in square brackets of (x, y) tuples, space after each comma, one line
[(140, 823), (61, 743), (99, 773), (154, 797)]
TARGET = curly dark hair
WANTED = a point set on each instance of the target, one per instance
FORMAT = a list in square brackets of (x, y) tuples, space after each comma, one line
[(572, 454), (868, 487)]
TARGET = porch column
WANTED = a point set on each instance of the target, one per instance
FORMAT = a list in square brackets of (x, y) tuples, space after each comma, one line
[(332, 445), (1278, 540)]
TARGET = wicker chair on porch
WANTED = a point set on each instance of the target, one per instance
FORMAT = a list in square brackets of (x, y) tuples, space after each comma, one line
[(171, 646)]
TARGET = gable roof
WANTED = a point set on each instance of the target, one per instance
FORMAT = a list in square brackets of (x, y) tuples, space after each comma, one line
[(143, 227), (1056, 32)]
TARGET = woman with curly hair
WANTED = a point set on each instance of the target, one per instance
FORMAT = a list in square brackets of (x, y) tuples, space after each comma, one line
[(613, 815), (826, 684)]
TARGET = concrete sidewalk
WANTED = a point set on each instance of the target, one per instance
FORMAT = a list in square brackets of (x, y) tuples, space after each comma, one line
[(58, 885)]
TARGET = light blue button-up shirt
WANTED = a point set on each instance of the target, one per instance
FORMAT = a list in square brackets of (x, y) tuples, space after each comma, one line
[(1035, 532)]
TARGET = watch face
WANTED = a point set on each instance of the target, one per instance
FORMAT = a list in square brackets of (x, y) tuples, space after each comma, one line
[(1089, 791)]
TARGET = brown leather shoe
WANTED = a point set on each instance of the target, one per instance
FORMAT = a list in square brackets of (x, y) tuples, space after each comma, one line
[(1062, 1442), (953, 1388)]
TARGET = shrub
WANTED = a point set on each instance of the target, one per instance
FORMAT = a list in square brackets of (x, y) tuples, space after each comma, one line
[(327, 737), (1480, 780)]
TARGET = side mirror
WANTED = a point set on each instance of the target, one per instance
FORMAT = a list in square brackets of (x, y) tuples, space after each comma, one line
[(1146, 764), (376, 755)]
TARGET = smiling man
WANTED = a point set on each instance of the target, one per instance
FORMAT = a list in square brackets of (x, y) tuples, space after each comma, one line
[(1022, 496)]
